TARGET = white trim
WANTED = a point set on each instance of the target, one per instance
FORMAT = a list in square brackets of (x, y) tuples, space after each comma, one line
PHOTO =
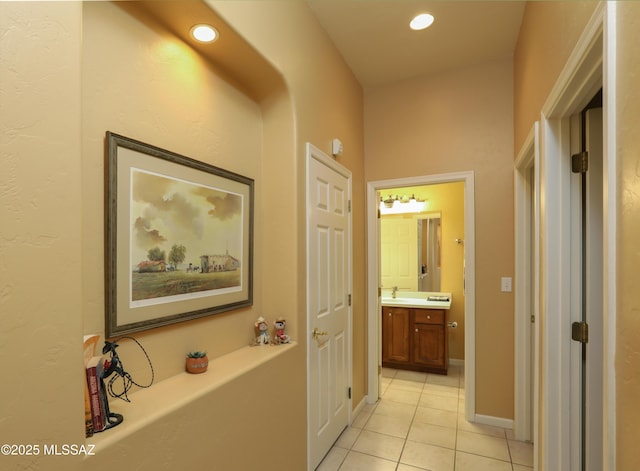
[(357, 409), (373, 281), (555, 294), (561, 299), (527, 206), (609, 241), (580, 79), (315, 153), (494, 421), (374, 353), (574, 227), (536, 303)]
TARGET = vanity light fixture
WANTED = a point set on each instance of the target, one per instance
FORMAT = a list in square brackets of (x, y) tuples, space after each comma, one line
[(401, 205), (422, 21), (204, 33)]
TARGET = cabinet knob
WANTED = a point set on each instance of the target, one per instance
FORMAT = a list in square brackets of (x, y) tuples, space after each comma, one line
[(428, 317), (416, 330)]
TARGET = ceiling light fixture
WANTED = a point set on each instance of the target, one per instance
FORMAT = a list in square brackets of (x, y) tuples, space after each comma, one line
[(421, 21), (204, 33)]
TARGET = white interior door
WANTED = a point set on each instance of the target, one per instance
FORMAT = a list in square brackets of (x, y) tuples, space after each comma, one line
[(328, 301)]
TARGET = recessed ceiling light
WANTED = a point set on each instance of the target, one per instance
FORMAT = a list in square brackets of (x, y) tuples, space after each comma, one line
[(421, 21), (204, 33)]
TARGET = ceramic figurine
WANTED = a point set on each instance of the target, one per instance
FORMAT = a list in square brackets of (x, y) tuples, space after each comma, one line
[(262, 329), (280, 336)]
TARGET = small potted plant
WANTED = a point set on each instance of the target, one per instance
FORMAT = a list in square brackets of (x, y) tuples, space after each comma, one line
[(197, 362)]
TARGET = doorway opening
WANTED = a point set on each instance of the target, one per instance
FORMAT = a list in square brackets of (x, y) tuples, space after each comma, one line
[(422, 250), (374, 189)]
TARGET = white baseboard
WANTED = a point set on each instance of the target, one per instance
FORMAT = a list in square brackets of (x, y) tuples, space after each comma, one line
[(494, 421), (485, 419), (358, 409)]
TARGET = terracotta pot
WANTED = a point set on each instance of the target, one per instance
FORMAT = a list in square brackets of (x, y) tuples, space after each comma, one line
[(197, 365)]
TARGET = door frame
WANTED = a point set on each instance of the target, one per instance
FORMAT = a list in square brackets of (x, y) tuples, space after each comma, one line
[(527, 222), (313, 152), (590, 66), (374, 359)]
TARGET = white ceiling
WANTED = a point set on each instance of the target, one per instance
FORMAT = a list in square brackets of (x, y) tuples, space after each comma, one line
[(374, 37)]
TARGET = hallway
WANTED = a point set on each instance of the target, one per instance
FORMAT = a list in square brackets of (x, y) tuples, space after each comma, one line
[(419, 424)]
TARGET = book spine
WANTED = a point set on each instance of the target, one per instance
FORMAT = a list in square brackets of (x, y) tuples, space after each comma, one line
[(96, 402), (88, 415)]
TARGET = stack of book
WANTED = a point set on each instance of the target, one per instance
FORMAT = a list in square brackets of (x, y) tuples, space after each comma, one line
[(95, 397), (97, 394)]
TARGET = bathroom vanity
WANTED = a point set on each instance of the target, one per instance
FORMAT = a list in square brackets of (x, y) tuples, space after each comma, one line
[(414, 333)]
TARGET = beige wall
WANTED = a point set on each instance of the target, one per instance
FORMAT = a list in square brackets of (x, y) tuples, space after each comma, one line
[(627, 362), (41, 230), (127, 71), (461, 121), (547, 36), (96, 68), (328, 102)]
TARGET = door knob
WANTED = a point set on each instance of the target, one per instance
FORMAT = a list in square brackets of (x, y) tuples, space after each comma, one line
[(317, 333)]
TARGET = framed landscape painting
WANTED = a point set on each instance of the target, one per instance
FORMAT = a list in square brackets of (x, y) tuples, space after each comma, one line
[(179, 242)]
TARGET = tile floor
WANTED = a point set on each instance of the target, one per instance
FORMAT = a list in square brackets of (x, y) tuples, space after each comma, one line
[(419, 424)]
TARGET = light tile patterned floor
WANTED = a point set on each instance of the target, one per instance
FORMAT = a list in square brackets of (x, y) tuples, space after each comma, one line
[(419, 424)]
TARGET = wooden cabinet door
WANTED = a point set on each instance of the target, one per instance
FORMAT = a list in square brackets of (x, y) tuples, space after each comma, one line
[(428, 345), (395, 334)]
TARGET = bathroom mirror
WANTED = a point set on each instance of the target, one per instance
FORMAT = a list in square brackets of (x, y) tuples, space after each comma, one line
[(411, 251), (429, 253)]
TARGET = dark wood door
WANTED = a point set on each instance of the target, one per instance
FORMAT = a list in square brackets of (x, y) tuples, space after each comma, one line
[(395, 334), (428, 345)]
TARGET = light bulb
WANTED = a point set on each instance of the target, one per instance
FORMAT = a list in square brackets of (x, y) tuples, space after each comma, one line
[(421, 21), (204, 33)]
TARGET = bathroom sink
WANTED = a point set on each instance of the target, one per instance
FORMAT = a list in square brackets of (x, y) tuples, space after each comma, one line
[(399, 301), (434, 301)]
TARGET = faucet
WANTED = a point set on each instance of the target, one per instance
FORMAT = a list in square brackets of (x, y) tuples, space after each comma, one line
[(394, 290)]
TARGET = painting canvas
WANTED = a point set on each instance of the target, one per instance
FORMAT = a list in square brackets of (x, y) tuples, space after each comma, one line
[(179, 237)]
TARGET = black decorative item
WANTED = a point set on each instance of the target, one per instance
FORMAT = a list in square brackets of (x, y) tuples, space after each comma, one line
[(114, 365)]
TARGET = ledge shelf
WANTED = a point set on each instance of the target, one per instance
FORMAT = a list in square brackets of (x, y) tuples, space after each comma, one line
[(171, 394)]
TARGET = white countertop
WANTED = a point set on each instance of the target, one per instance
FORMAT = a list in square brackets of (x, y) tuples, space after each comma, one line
[(417, 299)]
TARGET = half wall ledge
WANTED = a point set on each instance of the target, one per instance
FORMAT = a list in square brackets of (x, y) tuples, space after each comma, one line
[(147, 406)]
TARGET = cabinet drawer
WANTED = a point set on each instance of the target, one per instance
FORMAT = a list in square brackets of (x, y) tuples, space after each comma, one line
[(429, 316)]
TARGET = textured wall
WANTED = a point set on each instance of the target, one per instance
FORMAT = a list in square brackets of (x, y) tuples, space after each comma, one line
[(454, 122), (141, 82), (547, 36), (328, 103), (627, 362), (40, 232)]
